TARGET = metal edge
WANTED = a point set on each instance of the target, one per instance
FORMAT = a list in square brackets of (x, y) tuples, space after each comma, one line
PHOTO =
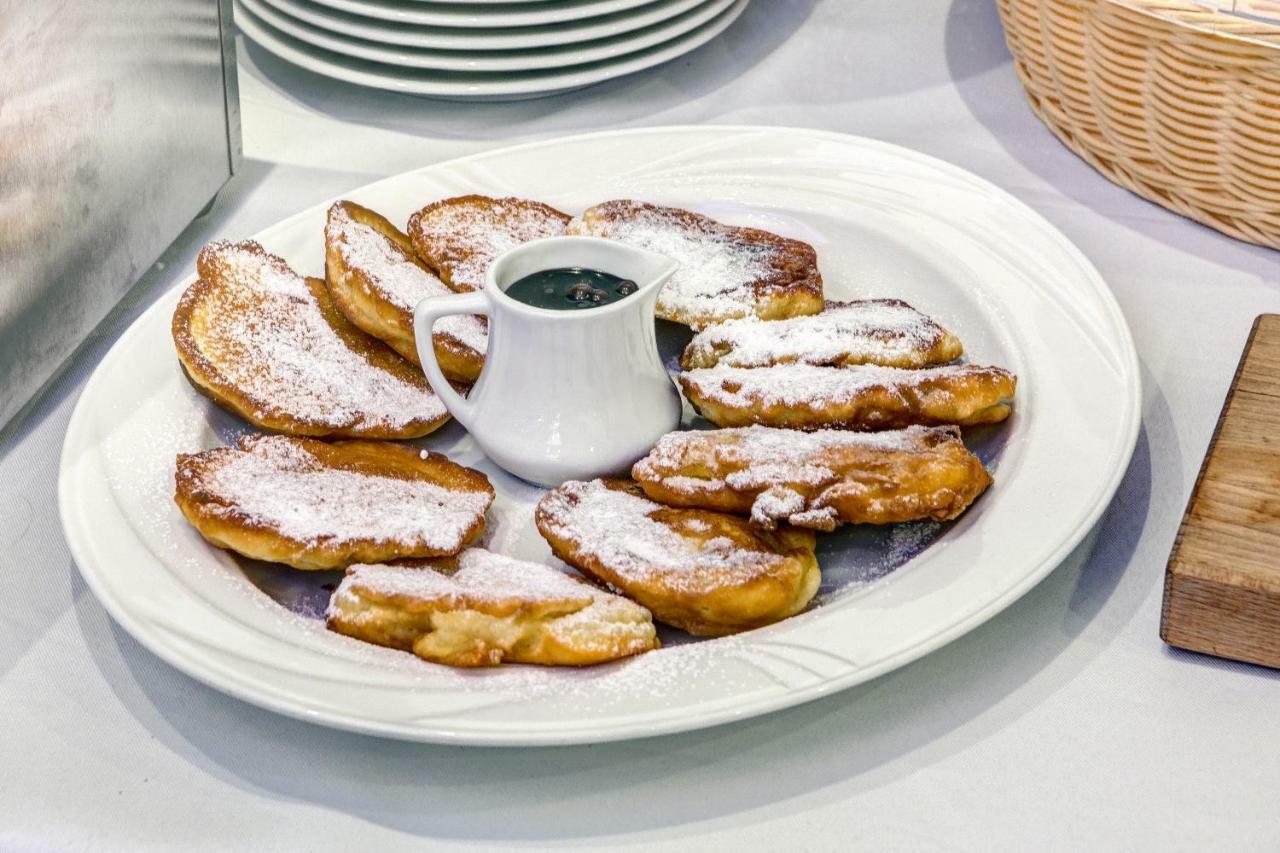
[(230, 85)]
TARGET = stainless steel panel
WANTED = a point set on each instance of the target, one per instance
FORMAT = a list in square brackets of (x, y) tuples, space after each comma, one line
[(117, 125)]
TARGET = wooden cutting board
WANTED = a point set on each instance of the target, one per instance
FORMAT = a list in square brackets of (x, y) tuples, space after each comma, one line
[(1222, 585)]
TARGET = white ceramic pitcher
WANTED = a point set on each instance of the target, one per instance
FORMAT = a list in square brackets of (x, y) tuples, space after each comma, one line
[(564, 395)]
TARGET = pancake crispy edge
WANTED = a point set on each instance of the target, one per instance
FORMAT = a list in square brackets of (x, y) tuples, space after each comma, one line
[(886, 332), (816, 480), (481, 609), (218, 295), (372, 304), (301, 502), (459, 237), (806, 397), (777, 276), (712, 575)]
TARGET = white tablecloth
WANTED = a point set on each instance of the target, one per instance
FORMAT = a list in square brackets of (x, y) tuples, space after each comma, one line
[(1063, 724)]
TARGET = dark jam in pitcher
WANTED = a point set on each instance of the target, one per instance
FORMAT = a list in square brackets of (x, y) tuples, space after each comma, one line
[(570, 289)]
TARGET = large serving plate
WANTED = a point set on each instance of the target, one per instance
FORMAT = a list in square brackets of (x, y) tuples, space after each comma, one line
[(885, 221)]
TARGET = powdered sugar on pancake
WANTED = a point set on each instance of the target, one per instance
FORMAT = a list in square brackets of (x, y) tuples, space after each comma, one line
[(807, 385), (873, 331), (573, 614), (482, 577), (784, 469), (767, 456), (617, 528), (721, 269), (715, 273), (267, 335), (277, 483), (716, 270), (463, 238), (398, 279)]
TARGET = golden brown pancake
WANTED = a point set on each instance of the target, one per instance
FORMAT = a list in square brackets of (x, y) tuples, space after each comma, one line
[(816, 479), (269, 345), (460, 237), (888, 332), (706, 572), (481, 609), (725, 272), (319, 505), (376, 281), (801, 396)]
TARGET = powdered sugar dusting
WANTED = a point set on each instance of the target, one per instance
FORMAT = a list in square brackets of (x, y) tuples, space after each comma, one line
[(869, 554), (272, 340), (277, 482), (575, 614), (785, 470), (794, 384), (873, 331), (774, 503), (400, 280), (719, 269), (618, 529), (481, 576), (767, 455), (808, 385), (464, 238)]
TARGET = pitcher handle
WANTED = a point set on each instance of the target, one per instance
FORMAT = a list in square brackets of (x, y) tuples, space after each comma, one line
[(424, 318)]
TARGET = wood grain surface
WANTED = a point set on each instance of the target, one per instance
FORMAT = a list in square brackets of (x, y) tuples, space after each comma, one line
[(1222, 584)]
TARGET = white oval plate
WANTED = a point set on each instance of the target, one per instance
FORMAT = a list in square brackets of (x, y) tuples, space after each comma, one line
[(559, 56), (885, 221), (485, 15), (510, 38), (476, 86)]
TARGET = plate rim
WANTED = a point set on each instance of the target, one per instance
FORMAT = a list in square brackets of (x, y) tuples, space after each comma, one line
[(81, 546), (506, 85), (459, 16), (558, 56), (492, 38)]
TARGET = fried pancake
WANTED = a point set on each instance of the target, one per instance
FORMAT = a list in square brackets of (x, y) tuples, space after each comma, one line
[(376, 281), (888, 332), (706, 572), (480, 609), (816, 479), (460, 237), (866, 397), (319, 505), (725, 272), (269, 345)]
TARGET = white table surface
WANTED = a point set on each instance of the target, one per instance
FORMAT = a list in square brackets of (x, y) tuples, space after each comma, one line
[(1063, 724)]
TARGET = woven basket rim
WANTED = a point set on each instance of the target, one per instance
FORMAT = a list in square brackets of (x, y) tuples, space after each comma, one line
[(1267, 34)]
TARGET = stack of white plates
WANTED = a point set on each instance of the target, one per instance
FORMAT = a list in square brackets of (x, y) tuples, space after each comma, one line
[(482, 49)]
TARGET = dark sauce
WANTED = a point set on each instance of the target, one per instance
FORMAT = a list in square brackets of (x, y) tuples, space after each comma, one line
[(571, 289)]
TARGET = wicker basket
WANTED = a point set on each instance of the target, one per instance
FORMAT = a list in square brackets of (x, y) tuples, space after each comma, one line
[(1175, 100)]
